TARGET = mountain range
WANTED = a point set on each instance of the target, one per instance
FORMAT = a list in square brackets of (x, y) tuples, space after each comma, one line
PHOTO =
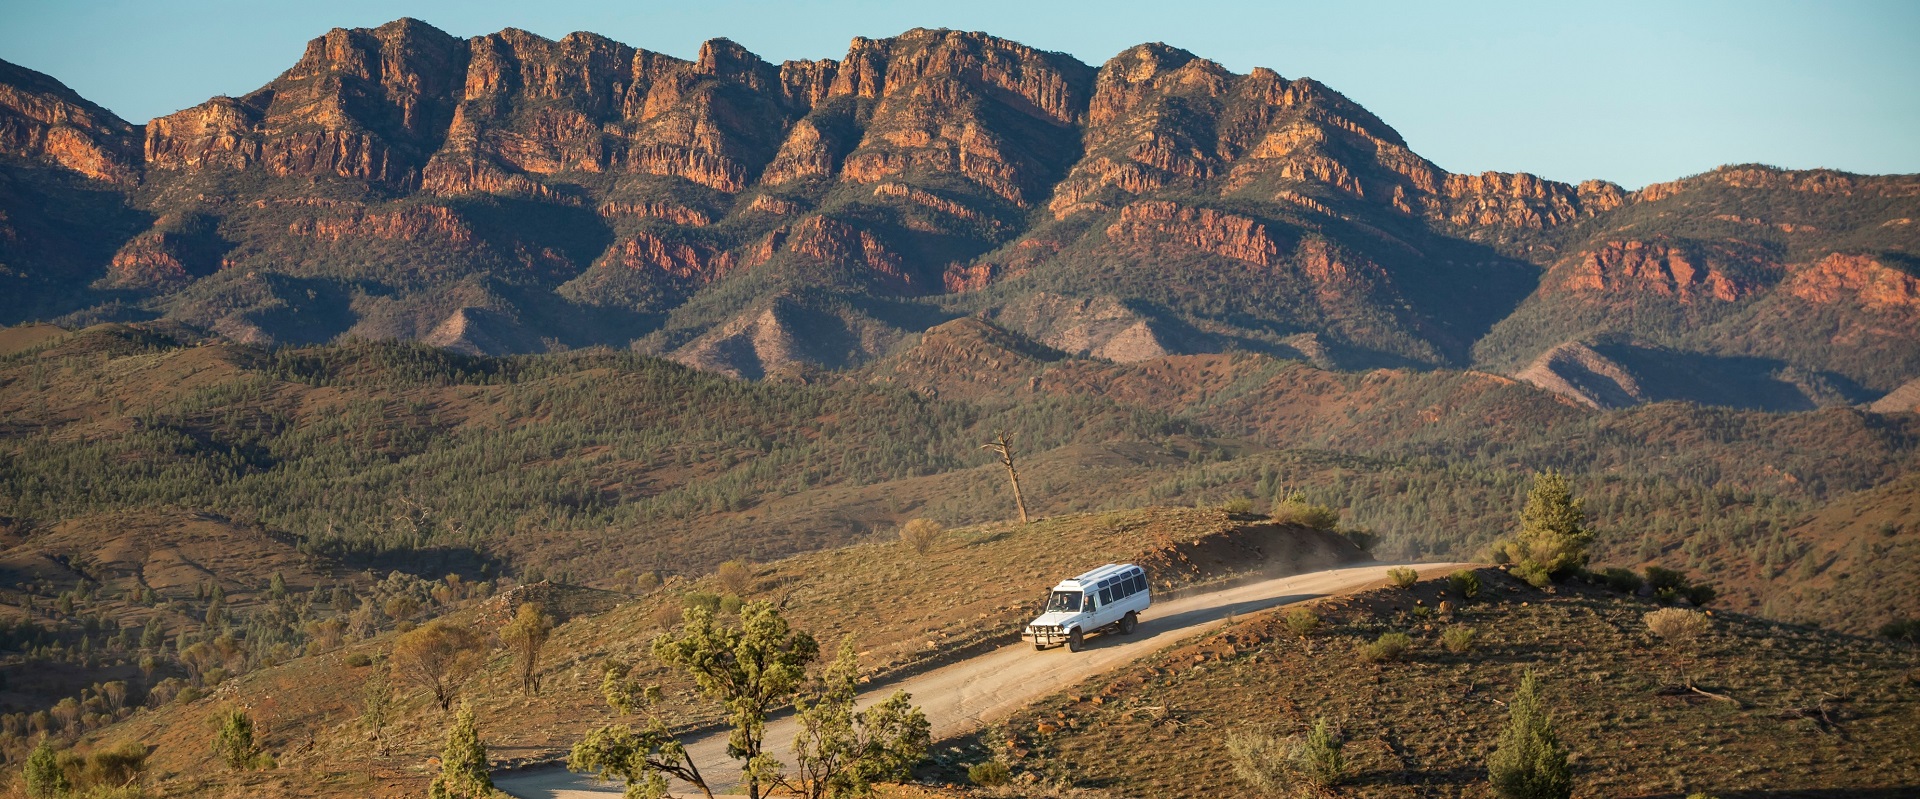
[(509, 193)]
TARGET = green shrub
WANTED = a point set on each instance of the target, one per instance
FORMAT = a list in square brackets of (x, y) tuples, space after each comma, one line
[(1302, 622), (463, 762), (1296, 510), (1553, 538), (1907, 630), (704, 600), (1528, 762), (1363, 539), (1458, 638), (1237, 505), (989, 774), (1535, 574), (359, 660), (45, 777), (1622, 580), (1321, 762), (234, 742), (1699, 594), (1465, 582), (1402, 576), (1664, 579), (1672, 585), (1389, 647), (1422, 612)]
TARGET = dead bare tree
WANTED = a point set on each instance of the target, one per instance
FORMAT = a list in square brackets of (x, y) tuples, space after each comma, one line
[(1005, 448)]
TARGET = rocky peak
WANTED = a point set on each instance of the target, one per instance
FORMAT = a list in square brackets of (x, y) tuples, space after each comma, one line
[(1052, 86), (41, 119), (365, 104), (724, 59)]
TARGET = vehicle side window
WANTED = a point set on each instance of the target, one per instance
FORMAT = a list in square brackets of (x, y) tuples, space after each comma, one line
[(1139, 582), (1106, 595)]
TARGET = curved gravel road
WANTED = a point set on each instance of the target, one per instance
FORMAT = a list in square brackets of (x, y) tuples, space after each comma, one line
[(964, 696)]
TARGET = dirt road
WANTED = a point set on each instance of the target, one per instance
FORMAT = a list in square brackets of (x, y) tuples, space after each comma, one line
[(961, 697)]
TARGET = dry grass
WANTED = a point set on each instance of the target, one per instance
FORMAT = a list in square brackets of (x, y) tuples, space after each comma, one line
[(1677, 626), (921, 535)]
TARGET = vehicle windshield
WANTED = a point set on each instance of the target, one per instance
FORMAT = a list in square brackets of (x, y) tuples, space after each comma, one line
[(1068, 601)]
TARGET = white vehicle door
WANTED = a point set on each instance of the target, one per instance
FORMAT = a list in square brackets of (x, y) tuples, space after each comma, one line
[(1109, 609)]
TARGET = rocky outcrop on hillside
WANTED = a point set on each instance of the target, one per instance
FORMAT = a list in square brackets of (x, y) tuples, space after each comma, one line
[(1098, 327), (1660, 268), (1859, 279), (1573, 370)]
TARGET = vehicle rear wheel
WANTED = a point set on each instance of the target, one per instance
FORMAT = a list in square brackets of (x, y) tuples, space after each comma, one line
[(1074, 641), (1128, 622), (1039, 647)]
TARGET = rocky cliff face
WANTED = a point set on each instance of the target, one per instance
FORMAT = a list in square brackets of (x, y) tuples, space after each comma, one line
[(1665, 269), (368, 105), (611, 194), (43, 120)]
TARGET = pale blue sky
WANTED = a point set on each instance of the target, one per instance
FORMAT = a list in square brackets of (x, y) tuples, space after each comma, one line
[(1633, 92)]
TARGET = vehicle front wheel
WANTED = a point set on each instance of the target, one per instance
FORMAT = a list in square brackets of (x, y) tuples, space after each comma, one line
[(1128, 622), (1074, 641)]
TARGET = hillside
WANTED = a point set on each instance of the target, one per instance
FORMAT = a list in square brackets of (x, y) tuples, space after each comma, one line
[(1797, 711), (384, 456), (184, 515), (977, 585), (513, 194)]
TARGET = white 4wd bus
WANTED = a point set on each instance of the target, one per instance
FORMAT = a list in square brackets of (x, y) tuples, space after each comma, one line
[(1111, 596)]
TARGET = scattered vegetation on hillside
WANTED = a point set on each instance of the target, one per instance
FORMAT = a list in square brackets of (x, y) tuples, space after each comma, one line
[(1809, 709)]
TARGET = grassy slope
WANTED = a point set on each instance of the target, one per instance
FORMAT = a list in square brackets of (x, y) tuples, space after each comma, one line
[(979, 584), (1424, 726)]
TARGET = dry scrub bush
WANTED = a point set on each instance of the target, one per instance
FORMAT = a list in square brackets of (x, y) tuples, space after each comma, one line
[(921, 535), (1302, 766), (1403, 577), (665, 615), (1388, 648), (1677, 626), (440, 657), (527, 635), (733, 577)]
